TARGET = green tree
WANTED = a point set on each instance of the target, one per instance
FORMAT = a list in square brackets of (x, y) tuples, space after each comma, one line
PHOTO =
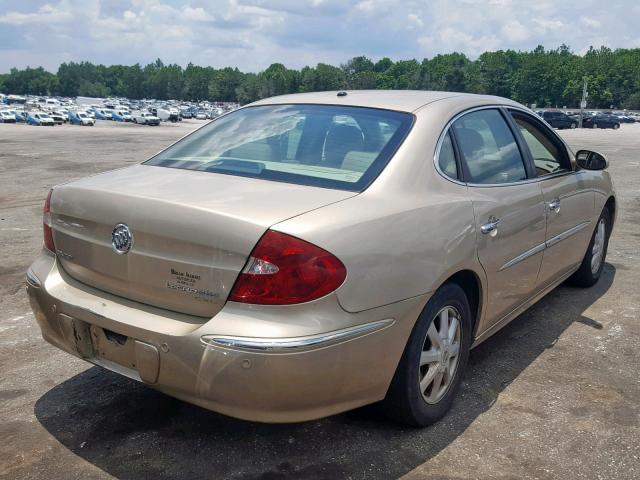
[(547, 77)]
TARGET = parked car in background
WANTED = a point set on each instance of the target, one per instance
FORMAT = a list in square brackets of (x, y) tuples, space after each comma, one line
[(280, 280), (624, 117), (121, 116), (40, 119), (57, 118), (559, 119), (601, 121), (21, 115), (167, 114), (6, 116), (201, 115), (101, 114), (81, 118), (145, 118)]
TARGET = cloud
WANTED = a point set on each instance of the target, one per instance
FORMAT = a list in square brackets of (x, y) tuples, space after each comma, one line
[(251, 34), (590, 22), (516, 32), (45, 14)]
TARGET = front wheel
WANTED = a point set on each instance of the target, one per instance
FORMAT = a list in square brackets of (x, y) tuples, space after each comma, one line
[(574, 125), (616, 126), (431, 368), (593, 262)]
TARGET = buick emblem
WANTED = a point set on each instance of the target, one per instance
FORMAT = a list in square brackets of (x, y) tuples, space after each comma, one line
[(121, 239)]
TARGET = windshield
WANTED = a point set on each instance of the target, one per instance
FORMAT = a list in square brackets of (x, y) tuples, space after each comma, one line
[(321, 145)]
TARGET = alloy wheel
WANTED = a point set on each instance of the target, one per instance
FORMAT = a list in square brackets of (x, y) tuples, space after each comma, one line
[(440, 354)]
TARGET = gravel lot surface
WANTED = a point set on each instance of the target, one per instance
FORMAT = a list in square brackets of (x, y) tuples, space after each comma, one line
[(556, 394)]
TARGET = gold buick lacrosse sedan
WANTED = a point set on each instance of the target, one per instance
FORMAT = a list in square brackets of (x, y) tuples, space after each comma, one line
[(308, 254)]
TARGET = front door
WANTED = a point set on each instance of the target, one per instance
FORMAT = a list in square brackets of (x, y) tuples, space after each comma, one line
[(568, 200), (508, 207)]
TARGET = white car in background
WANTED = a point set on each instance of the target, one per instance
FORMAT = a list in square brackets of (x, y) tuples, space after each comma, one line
[(7, 117), (40, 119), (81, 118), (58, 118), (145, 118)]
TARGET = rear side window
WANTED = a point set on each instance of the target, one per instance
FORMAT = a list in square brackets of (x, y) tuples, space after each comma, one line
[(321, 145), (447, 158), (488, 148)]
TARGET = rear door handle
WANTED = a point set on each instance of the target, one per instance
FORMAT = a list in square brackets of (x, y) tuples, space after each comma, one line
[(554, 205), (491, 227)]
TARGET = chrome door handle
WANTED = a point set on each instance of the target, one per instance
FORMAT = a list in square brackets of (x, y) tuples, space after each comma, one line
[(491, 227), (554, 205)]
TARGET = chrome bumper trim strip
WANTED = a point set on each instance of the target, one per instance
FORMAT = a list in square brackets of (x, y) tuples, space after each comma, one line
[(32, 280), (294, 344)]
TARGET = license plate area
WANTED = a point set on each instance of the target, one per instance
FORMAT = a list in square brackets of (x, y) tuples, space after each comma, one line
[(125, 355), (113, 347)]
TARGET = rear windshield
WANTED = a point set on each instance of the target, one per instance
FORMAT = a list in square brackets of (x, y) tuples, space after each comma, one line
[(322, 145)]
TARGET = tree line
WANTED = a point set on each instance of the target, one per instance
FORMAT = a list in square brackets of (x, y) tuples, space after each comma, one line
[(541, 76)]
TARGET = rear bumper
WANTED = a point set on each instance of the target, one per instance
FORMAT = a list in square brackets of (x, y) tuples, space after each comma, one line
[(260, 364)]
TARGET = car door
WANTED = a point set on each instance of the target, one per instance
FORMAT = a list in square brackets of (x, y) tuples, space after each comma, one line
[(508, 207), (569, 202)]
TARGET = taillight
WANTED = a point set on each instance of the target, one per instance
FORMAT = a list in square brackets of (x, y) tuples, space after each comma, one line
[(46, 224), (284, 270)]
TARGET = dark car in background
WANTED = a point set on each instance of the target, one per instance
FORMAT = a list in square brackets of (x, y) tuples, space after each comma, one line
[(558, 119), (601, 121), (624, 117)]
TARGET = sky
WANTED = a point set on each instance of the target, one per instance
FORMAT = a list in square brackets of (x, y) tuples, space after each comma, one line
[(252, 34)]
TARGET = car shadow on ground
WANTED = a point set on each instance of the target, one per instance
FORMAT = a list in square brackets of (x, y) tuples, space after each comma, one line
[(133, 432)]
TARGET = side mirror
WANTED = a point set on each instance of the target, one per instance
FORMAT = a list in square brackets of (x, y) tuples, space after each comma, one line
[(591, 160)]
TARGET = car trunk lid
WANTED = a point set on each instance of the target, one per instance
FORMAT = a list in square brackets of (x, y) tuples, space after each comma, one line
[(192, 232)]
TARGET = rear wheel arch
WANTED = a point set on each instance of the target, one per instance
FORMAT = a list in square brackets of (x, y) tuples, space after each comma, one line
[(471, 284), (611, 205)]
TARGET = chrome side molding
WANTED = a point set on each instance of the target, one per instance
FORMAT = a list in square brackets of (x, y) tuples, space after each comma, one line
[(523, 256), (564, 235), (543, 246)]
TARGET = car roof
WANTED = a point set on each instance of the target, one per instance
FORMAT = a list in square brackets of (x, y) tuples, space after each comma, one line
[(401, 100)]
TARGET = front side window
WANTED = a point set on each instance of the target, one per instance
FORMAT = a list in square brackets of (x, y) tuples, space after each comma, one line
[(321, 145), (488, 148), (548, 157)]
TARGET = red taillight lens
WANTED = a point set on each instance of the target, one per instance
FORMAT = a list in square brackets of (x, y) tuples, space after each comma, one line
[(283, 270), (46, 224)]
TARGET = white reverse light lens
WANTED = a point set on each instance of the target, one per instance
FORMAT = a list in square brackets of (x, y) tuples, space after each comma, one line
[(257, 266)]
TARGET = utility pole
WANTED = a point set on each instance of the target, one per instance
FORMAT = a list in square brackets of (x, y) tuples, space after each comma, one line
[(583, 102)]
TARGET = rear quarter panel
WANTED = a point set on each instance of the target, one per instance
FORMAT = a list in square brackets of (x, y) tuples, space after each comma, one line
[(392, 249)]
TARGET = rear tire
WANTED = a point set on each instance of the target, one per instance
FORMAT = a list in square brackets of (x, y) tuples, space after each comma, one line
[(593, 262), (616, 126), (429, 358)]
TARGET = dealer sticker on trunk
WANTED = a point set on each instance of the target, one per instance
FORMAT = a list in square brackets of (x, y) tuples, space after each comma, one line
[(186, 282)]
